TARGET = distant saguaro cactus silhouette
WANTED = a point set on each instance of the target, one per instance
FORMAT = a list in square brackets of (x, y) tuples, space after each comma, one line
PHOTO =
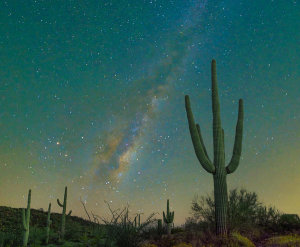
[(26, 220), (63, 215), (217, 168), (168, 218), (49, 221)]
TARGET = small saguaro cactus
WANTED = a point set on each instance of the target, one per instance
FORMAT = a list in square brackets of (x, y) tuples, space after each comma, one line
[(63, 215), (159, 226), (26, 220), (217, 167), (168, 218), (139, 222), (48, 224)]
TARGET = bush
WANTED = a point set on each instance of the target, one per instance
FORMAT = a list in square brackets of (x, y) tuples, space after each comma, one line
[(122, 231), (182, 245), (244, 212), (289, 240), (149, 245), (73, 232), (9, 239), (36, 236), (268, 218), (177, 230), (242, 241), (289, 222)]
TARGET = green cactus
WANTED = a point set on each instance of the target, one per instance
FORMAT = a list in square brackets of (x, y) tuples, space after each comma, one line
[(159, 226), (63, 215), (26, 220), (217, 168), (139, 222), (168, 219), (48, 224)]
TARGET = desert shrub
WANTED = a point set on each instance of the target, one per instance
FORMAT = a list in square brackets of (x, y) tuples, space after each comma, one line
[(234, 239), (242, 209), (73, 231), (165, 241), (182, 245), (289, 222), (177, 229), (121, 230), (289, 240), (268, 218), (245, 213), (151, 232), (203, 210), (2, 238), (37, 235), (98, 237), (10, 239), (125, 235), (242, 241)]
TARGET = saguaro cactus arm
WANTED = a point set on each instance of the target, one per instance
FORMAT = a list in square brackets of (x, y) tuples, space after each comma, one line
[(201, 140), (237, 149), (59, 203), (197, 140), (69, 213)]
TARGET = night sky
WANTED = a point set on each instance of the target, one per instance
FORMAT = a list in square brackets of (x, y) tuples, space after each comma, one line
[(92, 97)]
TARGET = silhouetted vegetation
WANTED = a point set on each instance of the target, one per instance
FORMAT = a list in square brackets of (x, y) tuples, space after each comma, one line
[(250, 223)]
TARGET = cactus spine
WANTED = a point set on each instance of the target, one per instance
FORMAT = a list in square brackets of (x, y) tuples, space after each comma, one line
[(217, 168), (26, 220), (63, 216), (48, 224), (168, 219)]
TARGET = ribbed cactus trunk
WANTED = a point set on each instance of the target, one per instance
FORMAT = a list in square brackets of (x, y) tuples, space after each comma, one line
[(220, 193), (217, 167), (26, 220)]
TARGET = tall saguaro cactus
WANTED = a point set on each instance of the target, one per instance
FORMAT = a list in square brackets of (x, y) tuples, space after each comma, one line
[(26, 220), (48, 224), (63, 215), (168, 218), (217, 167)]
